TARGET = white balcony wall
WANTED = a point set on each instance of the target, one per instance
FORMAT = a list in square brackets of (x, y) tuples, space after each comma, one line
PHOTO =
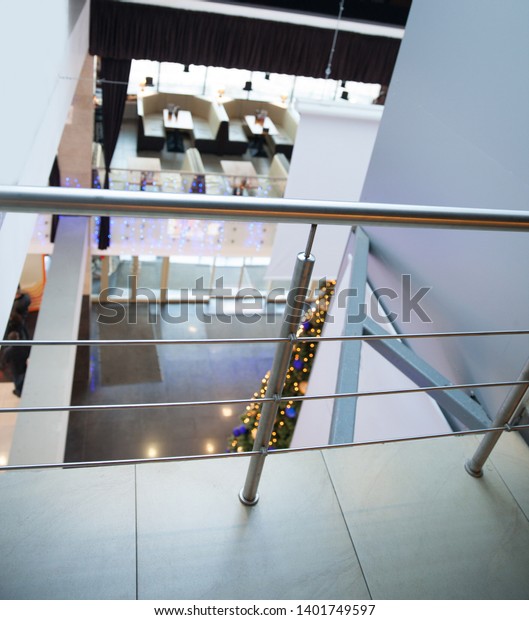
[(455, 132)]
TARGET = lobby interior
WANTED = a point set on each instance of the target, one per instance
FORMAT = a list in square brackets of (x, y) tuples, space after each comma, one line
[(390, 518)]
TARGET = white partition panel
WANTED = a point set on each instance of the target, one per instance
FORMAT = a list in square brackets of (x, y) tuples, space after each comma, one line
[(333, 147)]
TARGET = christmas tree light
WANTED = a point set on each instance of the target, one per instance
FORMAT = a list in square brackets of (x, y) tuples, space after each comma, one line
[(303, 355)]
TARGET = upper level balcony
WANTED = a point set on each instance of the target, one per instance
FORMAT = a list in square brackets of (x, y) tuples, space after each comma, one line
[(391, 518)]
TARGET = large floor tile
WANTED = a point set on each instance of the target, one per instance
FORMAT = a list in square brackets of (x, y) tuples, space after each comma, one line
[(67, 534), (424, 529), (510, 457), (197, 541)]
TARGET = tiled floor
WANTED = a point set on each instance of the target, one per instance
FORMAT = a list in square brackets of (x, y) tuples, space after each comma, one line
[(395, 521)]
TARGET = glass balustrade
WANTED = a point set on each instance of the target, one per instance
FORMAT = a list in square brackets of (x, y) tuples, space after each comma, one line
[(181, 182)]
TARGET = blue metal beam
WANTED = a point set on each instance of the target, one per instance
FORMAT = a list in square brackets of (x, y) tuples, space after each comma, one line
[(344, 410), (455, 403)]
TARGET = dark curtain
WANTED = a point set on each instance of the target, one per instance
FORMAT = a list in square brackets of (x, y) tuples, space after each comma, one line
[(124, 31), (54, 181), (115, 76)]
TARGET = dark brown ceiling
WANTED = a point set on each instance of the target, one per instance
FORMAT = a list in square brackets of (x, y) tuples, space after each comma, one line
[(387, 12)]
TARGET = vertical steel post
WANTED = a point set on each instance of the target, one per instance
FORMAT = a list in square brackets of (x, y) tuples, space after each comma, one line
[(474, 466), (296, 299)]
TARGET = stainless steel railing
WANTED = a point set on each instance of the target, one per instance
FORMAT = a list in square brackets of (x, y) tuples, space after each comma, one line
[(97, 202), (241, 401), (202, 457), (104, 202)]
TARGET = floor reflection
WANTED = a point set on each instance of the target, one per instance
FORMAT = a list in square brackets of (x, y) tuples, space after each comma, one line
[(187, 373)]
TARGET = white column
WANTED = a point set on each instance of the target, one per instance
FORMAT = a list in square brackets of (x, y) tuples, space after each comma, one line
[(41, 437)]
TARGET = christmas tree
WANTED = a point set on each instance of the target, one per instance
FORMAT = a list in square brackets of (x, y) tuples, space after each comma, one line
[(303, 355)]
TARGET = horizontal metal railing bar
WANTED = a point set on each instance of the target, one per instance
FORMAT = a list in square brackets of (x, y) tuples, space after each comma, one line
[(242, 401), (457, 334), (110, 343), (78, 201), (202, 341), (272, 452), (161, 459), (114, 406), (431, 388)]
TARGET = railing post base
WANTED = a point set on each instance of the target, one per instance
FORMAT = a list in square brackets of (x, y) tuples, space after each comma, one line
[(473, 472), (248, 502), (506, 413)]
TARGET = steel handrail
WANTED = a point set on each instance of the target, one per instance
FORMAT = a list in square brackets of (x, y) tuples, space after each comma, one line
[(196, 457), (242, 401), (90, 202), (263, 340)]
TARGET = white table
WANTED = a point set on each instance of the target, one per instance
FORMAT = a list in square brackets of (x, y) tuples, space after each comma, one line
[(183, 121), (258, 132), (257, 129), (174, 125), (242, 173)]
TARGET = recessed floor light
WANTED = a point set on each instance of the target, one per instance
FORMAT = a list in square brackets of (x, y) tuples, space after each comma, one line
[(210, 448), (152, 452)]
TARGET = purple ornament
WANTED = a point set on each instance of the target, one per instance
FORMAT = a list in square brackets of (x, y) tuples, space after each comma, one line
[(306, 325), (240, 430), (290, 412), (298, 364)]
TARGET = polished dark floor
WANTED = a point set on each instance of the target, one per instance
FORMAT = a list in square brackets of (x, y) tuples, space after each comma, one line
[(187, 373), (167, 373)]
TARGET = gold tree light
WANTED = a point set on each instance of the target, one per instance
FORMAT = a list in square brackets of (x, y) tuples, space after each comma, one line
[(301, 361)]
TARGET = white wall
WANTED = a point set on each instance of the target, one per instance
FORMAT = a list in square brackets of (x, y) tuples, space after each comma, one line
[(333, 146), (330, 160), (376, 417), (39, 43), (455, 132)]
